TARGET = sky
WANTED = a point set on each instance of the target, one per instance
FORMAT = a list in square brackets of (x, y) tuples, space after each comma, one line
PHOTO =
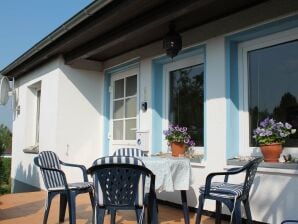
[(23, 23)]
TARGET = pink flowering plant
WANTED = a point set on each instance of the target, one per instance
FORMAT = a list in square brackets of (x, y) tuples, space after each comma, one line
[(175, 133), (269, 131)]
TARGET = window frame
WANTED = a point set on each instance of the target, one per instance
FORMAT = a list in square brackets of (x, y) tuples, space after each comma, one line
[(33, 117), (167, 68), (243, 82), (37, 115)]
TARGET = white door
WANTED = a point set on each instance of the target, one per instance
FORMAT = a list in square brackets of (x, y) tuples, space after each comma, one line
[(124, 107)]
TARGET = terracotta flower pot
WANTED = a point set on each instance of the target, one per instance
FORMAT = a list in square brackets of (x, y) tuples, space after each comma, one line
[(271, 152), (178, 148)]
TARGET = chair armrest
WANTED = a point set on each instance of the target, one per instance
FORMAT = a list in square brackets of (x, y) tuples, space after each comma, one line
[(289, 221), (82, 167), (231, 171), (234, 169)]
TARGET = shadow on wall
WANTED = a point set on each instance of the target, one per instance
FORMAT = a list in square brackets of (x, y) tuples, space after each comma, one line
[(87, 83), (26, 180), (285, 204)]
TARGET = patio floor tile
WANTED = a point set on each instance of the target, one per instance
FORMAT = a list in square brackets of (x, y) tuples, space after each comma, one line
[(28, 208)]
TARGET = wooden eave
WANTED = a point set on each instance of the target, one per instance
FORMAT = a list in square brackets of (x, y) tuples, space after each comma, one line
[(124, 25)]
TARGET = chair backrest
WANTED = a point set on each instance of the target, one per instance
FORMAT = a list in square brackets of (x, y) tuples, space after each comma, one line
[(134, 152), (119, 181), (51, 178), (251, 169)]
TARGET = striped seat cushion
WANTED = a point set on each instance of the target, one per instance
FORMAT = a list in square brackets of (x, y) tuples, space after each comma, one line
[(133, 152), (222, 189), (71, 186), (118, 160)]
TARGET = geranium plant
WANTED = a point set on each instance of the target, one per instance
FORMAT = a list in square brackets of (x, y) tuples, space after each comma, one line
[(175, 133), (270, 131)]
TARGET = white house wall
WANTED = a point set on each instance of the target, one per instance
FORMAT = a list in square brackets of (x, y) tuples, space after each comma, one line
[(23, 169), (78, 116), (69, 122)]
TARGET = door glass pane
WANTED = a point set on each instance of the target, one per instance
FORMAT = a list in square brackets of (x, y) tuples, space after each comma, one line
[(131, 85), (187, 100), (131, 108), (118, 130), (118, 109), (130, 129), (119, 89), (273, 92)]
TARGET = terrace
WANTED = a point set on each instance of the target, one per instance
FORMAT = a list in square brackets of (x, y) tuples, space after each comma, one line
[(28, 208), (112, 47)]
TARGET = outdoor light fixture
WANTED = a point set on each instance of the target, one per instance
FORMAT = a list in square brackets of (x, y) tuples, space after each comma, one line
[(144, 106), (172, 42)]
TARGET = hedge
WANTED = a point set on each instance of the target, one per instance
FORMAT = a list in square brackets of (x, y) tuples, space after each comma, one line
[(5, 166)]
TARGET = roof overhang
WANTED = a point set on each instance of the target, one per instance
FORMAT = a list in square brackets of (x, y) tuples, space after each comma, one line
[(109, 28)]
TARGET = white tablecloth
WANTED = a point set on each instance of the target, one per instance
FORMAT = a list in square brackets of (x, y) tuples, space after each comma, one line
[(171, 173)]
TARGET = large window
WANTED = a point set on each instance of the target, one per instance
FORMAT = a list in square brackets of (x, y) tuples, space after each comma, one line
[(273, 86), (186, 100)]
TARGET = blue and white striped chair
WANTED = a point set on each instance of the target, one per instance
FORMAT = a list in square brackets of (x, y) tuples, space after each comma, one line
[(133, 152), (56, 183), (230, 194), (119, 183)]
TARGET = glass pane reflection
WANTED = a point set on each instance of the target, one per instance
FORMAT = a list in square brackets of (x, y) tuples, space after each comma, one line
[(130, 110), (118, 130), (119, 89), (131, 86), (130, 129), (118, 109), (187, 100), (273, 92)]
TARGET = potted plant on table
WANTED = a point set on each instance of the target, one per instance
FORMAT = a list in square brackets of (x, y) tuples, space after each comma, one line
[(179, 139), (271, 135)]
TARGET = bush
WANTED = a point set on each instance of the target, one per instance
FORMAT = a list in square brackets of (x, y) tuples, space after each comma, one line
[(5, 143), (6, 170), (5, 183)]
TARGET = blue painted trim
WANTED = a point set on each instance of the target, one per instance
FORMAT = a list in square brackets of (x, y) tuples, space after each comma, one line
[(158, 77), (232, 82), (232, 95), (157, 102), (106, 113), (106, 104)]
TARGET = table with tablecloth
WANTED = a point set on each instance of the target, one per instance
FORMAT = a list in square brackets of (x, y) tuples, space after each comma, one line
[(172, 173)]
